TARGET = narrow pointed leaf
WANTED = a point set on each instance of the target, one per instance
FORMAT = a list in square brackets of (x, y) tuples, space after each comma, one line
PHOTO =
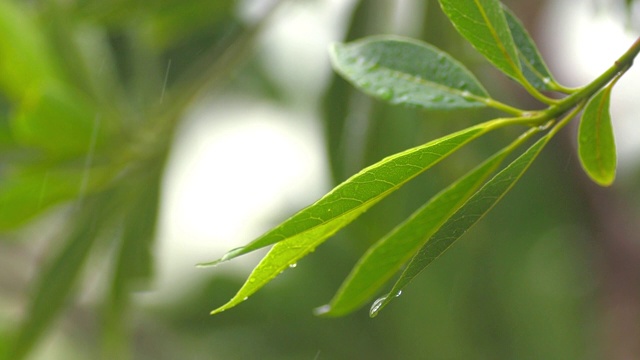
[(386, 257), (354, 196), (533, 66), (483, 24), (596, 144), (458, 224), (410, 72), (306, 230)]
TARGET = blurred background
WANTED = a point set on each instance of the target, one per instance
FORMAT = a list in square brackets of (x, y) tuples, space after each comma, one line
[(138, 138)]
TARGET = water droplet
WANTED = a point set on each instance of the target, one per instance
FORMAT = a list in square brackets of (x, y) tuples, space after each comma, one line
[(321, 310), (546, 80), (398, 293), (465, 93), (245, 298), (293, 265), (385, 93), (232, 253), (546, 125), (376, 306)]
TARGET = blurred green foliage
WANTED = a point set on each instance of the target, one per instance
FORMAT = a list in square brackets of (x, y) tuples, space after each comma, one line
[(88, 112)]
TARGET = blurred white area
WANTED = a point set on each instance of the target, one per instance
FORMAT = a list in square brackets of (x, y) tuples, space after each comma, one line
[(583, 38), (241, 165), (238, 167)]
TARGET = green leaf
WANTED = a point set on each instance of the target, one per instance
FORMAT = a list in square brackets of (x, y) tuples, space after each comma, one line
[(133, 266), (463, 219), (404, 71), (57, 278), (483, 24), (30, 192), (596, 144), (25, 56), (58, 120), (361, 191), (302, 233), (385, 258), (533, 66)]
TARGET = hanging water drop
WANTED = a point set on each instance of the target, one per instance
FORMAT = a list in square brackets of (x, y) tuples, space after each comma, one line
[(321, 310), (293, 265), (376, 306), (385, 93), (398, 293)]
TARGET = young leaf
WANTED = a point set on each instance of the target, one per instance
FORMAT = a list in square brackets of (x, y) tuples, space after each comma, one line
[(404, 71), (464, 218), (386, 257), (533, 66), (483, 24), (596, 144), (302, 233)]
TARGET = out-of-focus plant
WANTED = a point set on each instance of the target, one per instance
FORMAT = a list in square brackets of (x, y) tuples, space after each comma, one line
[(91, 93), (409, 72)]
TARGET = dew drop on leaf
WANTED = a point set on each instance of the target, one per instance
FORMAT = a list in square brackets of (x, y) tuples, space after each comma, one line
[(375, 307), (385, 93), (321, 310), (293, 265)]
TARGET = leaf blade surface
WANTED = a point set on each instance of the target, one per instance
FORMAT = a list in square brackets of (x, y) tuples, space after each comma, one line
[(302, 233), (596, 143), (464, 218), (483, 24), (385, 258), (534, 68), (410, 72)]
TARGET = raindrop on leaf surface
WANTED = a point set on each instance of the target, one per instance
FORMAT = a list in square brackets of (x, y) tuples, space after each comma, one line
[(319, 311), (385, 93), (375, 307)]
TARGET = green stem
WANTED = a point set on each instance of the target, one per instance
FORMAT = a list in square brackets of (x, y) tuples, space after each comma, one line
[(535, 92), (494, 104), (618, 68)]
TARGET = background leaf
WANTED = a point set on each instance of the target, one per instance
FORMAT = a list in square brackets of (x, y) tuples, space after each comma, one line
[(403, 71), (484, 25), (596, 143), (56, 281)]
